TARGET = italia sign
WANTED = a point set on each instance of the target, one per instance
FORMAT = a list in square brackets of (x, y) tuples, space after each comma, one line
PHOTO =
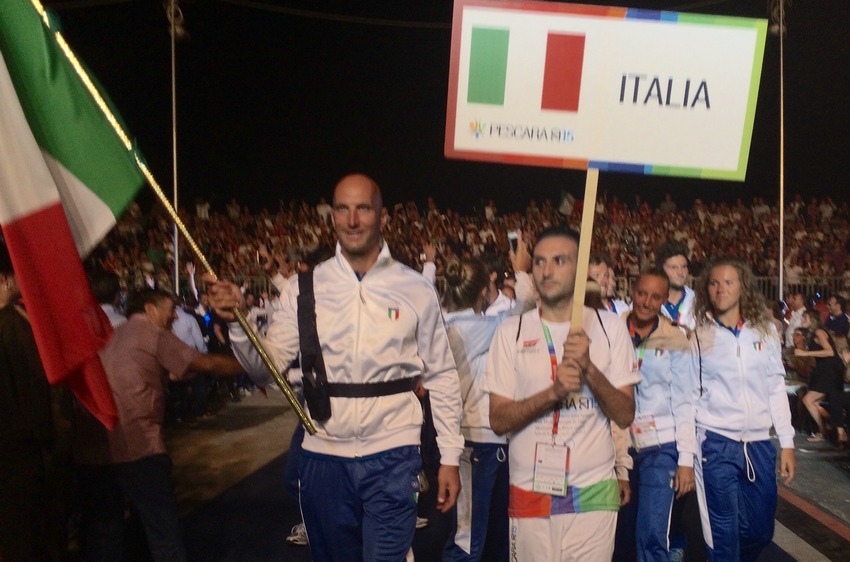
[(577, 86)]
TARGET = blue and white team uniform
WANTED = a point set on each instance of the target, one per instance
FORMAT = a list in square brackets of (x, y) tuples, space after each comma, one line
[(617, 306), (484, 461), (481, 517), (739, 389), (358, 475), (682, 312), (663, 433)]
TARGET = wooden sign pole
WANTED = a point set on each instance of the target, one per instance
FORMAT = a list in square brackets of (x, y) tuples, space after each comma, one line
[(585, 236)]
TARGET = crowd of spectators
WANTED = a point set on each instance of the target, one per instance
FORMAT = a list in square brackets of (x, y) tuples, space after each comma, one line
[(236, 241), (817, 242)]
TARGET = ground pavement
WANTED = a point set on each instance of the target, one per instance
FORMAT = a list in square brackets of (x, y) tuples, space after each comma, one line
[(229, 486)]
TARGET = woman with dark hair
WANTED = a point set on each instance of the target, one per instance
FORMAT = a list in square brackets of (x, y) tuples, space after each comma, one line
[(826, 379), (740, 394)]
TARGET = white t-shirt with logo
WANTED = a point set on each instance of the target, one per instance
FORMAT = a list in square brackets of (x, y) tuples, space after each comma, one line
[(519, 367)]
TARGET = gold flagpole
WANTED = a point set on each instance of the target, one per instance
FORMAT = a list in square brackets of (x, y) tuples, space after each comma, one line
[(252, 336), (119, 131)]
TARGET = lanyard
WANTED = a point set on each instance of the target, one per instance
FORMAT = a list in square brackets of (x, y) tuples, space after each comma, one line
[(638, 342), (553, 360), (640, 351)]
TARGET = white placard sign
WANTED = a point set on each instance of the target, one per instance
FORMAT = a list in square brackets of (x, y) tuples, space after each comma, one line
[(577, 86)]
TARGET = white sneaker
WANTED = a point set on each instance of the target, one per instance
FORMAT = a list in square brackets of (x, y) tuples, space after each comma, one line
[(421, 522), (298, 536)]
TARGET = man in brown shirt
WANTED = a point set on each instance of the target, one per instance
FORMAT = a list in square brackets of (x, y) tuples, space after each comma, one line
[(137, 468)]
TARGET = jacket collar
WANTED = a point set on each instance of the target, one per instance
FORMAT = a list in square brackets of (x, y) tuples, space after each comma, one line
[(384, 258)]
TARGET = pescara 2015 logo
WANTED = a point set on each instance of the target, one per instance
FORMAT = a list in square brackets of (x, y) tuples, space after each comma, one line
[(477, 128)]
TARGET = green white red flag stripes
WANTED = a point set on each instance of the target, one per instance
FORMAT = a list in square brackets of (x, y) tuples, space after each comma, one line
[(64, 178)]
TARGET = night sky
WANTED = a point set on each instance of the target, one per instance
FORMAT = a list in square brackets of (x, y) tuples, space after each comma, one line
[(277, 104)]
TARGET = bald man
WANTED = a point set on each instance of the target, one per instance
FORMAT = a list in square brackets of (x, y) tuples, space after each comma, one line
[(380, 330)]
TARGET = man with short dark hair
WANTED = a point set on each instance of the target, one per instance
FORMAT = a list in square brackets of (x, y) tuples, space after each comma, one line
[(837, 323), (380, 330), (554, 389), (106, 287), (134, 463), (672, 258)]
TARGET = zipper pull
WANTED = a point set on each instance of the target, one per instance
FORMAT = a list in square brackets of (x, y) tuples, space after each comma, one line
[(739, 350), (361, 294)]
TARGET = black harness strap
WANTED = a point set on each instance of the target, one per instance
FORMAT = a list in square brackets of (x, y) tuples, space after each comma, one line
[(311, 352), (315, 378), (519, 327), (601, 325), (368, 390), (313, 364)]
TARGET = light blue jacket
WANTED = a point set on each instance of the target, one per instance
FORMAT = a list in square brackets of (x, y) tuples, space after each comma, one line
[(666, 392)]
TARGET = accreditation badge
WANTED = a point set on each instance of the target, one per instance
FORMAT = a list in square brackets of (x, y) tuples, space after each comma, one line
[(551, 469), (644, 433)]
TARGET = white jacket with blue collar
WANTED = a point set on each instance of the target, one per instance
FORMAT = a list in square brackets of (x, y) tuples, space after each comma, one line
[(666, 392), (685, 315), (739, 383)]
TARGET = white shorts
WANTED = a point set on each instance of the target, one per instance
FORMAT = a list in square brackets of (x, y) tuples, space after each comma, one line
[(571, 537)]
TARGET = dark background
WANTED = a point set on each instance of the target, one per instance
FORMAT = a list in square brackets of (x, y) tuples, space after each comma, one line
[(278, 99)]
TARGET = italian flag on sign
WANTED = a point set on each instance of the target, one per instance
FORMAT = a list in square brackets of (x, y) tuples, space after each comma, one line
[(65, 175), (488, 68)]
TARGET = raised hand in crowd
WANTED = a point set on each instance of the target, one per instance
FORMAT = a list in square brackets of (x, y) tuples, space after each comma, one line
[(267, 262), (430, 251), (521, 259), (190, 271)]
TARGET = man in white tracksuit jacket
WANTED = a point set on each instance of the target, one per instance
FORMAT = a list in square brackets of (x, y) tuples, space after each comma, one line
[(671, 257), (378, 322)]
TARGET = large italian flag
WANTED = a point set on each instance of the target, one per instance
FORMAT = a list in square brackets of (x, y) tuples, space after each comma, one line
[(64, 177)]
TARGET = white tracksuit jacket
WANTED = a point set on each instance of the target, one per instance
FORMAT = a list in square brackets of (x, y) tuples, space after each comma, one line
[(740, 390), (384, 327), (666, 391), (470, 335)]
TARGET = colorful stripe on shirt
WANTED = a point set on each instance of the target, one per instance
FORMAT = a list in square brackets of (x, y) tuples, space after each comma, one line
[(602, 496)]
